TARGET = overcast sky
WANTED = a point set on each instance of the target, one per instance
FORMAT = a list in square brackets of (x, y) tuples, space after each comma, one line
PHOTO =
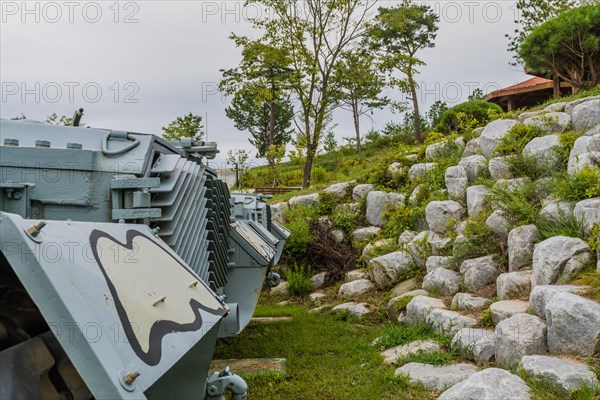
[(137, 65)]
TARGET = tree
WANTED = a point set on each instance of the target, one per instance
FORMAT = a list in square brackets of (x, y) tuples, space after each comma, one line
[(54, 119), (260, 86), (567, 47), (188, 126), (268, 126), (476, 95), (435, 112), (361, 84), (276, 153), (330, 144), (398, 34), (314, 33), (238, 159), (529, 15)]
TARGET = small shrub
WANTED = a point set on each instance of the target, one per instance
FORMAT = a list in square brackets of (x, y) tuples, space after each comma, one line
[(344, 221), (475, 110), (327, 203), (520, 205), (399, 334), (517, 138), (298, 278), (399, 219), (567, 142), (298, 244), (479, 240), (433, 358), (565, 226), (580, 186), (486, 318)]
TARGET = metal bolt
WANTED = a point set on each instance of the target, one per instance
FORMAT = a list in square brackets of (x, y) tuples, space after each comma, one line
[(131, 377), (34, 230)]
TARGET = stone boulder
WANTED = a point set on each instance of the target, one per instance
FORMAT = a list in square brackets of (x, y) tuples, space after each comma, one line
[(449, 322), (354, 309), (489, 384), (366, 234), (338, 235), (499, 224), (418, 171), (579, 163), (586, 115), (406, 237), (466, 301), (499, 168), (558, 258), (357, 288), (391, 356), (393, 306), (529, 114), (378, 203), (457, 182), (475, 166), (436, 377), (543, 150), (278, 211), (316, 296), (355, 275), (318, 281), (361, 191), (340, 190), (472, 148), (396, 169), (475, 344), (518, 336), (387, 268), (557, 211), (479, 272), (306, 200), (476, 199), (587, 213), (492, 135), (403, 287), (419, 308), (443, 281), (552, 122), (542, 294), (443, 148), (564, 374), (281, 290), (573, 325), (440, 213), (504, 309), (585, 144), (435, 262), (521, 242), (570, 106), (556, 107), (514, 285)]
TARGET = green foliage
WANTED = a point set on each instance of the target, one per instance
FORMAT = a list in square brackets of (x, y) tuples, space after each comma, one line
[(476, 110), (344, 221), (327, 203), (401, 218), (486, 318), (401, 304), (517, 138), (567, 46), (567, 142), (479, 240), (299, 224), (298, 278), (436, 111), (433, 358), (580, 186), (391, 335), (188, 126), (565, 226), (519, 204)]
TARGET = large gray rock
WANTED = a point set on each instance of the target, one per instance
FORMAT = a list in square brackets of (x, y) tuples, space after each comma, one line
[(418, 171), (504, 309), (552, 122), (570, 106), (316, 296), (542, 294), (444, 281), (378, 203), (420, 246), (457, 182), (304, 200), (472, 148), (476, 199), (355, 275), (499, 224), (543, 150), (318, 281), (435, 262), (278, 211), (475, 344), (573, 325), (393, 306), (396, 169), (585, 144), (529, 114), (404, 287), (518, 336), (521, 242), (492, 135), (420, 307), (475, 166), (514, 285), (391, 356), (354, 309), (593, 132), (350, 208), (440, 213), (436, 377), (466, 301), (556, 107), (361, 191), (558, 258), (357, 288), (281, 290), (443, 148), (567, 375), (366, 234), (386, 269), (340, 190), (489, 384), (583, 161), (499, 168), (587, 213), (449, 322), (586, 115), (557, 211), (479, 272)]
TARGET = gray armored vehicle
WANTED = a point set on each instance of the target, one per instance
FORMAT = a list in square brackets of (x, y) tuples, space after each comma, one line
[(123, 259)]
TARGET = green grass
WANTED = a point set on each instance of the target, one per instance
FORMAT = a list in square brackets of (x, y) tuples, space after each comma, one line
[(327, 358)]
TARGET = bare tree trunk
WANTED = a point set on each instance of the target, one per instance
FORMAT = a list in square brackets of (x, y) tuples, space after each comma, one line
[(308, 168), (357, 127), (417, 115), (271, 134)]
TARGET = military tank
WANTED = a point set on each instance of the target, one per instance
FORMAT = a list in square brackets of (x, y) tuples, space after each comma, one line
[(123, 259)]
